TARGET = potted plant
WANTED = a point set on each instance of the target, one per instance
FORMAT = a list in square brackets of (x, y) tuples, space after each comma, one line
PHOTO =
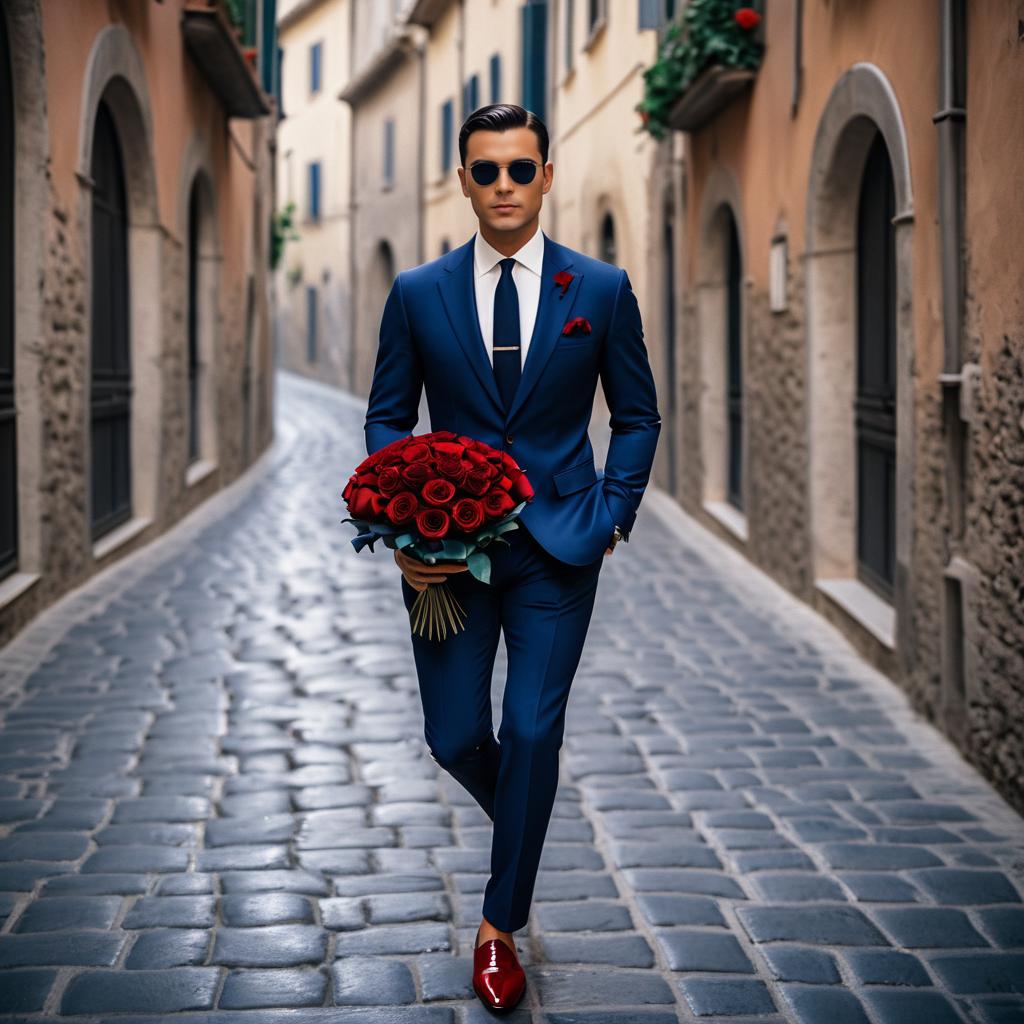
[(705, 59)]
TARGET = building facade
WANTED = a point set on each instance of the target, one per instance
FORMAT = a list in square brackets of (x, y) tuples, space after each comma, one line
[(848, 373), (314, 140), (135, 369)]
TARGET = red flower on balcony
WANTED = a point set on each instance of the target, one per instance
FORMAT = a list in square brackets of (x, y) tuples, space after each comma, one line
[(747, 18)]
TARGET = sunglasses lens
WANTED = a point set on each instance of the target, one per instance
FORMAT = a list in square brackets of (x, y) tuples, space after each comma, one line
[(522, 171), (484, 173)]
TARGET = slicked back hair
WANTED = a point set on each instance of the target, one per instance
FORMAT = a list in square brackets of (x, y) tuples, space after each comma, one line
[(498, 117)]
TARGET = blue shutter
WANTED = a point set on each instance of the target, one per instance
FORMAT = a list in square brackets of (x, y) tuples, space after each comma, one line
[(389, 151), (312, 313), (270, 53), (474, 92), (496, 78), (535, 25), (650, 13), (315, 52), (447, 129), (314, 190)]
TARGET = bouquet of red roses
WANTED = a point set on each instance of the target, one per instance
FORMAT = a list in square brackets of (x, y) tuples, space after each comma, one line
[(438, 497)]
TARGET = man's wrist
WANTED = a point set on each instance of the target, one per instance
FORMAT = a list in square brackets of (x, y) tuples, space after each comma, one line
[(616, 536)]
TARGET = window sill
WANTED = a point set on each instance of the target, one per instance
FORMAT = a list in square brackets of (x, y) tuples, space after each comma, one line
[(864, 606), (730, 517), (199, 470), (119, 537), (15, 585)]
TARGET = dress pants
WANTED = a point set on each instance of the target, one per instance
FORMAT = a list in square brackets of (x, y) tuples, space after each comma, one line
[(543, 606)]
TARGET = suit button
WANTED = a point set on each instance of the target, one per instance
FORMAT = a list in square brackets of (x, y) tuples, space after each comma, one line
[(508, 439)]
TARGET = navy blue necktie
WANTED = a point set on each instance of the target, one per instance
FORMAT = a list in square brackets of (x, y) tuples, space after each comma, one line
[(505, 334)]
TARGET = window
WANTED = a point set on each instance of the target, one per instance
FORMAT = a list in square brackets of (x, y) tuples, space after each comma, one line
[(447, 134), (608, 239), (570, 23), (193, 323), (534, 63), (315, 67), (495, 77), (470, 95), (312, 322), (655, 13), (389, 153), (595, 14), (314, 199)]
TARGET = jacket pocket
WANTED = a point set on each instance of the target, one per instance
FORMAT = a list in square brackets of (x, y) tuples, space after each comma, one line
[(575, 477)]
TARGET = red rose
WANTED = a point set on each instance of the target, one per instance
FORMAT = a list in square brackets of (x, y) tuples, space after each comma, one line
[(563, 279), (416, 474), (449, 448), (475, 456), (468, 514), (497, 503), (350, 486), (416, 452), (747, 18), (521, 488), (389, 479), (452, 467), (366, 504), (402, 507), (438, 491), (508, 462), (477, 481), (432, 522)]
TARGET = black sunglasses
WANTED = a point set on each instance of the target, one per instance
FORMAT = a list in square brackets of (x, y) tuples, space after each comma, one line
[(522, 172)]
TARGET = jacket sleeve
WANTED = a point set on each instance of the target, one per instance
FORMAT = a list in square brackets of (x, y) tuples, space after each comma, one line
[(392, 409), (633, 403)]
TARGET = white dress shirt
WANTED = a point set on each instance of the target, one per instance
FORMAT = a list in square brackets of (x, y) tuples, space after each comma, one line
[(526, 274)]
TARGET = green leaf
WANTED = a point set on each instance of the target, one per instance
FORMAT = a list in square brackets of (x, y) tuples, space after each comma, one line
[(480, 566)]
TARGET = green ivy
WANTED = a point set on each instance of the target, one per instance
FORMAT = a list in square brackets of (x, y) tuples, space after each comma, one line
[(282, 229), (707, 34)]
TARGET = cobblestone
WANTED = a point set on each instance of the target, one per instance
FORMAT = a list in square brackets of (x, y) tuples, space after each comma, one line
[(216, 801)]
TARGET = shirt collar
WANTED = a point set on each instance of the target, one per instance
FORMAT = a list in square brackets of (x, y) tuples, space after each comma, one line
[(530, 254)]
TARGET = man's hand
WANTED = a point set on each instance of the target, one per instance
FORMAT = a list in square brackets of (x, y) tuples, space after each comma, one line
[(419, 575)]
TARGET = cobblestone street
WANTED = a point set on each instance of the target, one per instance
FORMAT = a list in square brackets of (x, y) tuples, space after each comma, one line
[(217, 802)]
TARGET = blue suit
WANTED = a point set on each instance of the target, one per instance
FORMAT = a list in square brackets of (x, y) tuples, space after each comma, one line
[(544, 582)]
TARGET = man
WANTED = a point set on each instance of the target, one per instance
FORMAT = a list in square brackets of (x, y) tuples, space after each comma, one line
[(481, 327)]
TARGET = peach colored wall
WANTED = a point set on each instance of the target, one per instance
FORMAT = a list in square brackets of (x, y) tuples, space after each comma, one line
[(770, 153), (70, 31), (995, 162)]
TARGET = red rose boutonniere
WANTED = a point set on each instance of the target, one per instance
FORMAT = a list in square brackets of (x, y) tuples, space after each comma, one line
[(563, 278), (577, 325)]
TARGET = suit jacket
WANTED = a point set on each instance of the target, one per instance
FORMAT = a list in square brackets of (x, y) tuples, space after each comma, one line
[(430, 336)]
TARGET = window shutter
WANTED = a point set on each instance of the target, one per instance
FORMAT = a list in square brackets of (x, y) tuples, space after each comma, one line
[(496, 78), (534, 26), (650, 13), (447, 127)]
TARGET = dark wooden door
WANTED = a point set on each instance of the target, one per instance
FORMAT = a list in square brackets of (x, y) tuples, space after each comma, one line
[(8, 424), (875, 402), (734, 365), (111, 391), (193, 323)]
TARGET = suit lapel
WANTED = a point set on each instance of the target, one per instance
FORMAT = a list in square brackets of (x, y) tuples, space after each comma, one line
[(459, 297), (553, 310)]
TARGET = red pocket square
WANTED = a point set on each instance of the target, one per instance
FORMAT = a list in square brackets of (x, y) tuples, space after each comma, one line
[(577, 325)]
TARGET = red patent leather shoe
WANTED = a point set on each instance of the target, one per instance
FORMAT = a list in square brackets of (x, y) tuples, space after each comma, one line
[(498, 977)]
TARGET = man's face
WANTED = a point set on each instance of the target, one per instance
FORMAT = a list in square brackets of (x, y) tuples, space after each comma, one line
[(505, 205)]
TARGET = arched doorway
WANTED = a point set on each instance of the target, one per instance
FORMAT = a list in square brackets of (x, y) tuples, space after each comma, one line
[(201, 326), (860, 355), (668, 291), (111, 373), (608, 251), (875, 400), (733, 364), (8, 423)]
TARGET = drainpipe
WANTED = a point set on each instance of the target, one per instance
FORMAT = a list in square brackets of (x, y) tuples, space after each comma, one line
[(950, 119), (958, 380)]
